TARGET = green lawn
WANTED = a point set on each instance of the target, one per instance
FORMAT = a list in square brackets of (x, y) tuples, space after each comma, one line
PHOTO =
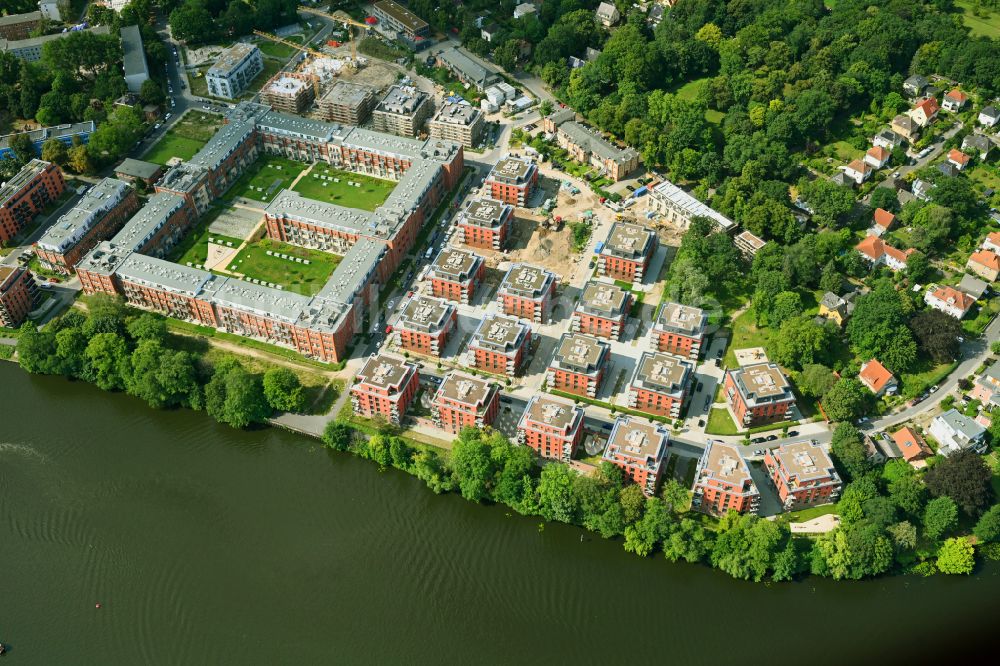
[(744, 334), (720, 423), (984, 27), (194, 245), (254, 262), (276, 50), (923, 376), (185, 138), (810, 513), (266, 177), (689, 91), (319, 184)]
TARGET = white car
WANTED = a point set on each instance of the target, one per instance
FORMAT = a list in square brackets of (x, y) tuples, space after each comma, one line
[(167, 117)]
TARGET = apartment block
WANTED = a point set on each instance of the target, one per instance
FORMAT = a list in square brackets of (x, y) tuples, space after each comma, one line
[(639, 449), (602, 310), (461, 123), (578, 365), (134, 63), (803, 475), (627, 253), (425, 325), (17, 295), (347, 103), (552, 427), (527, 292), (99, 215), (402, 111), (660, 384), (290, 92), (500, 345), (467, 69), (30, 48), (397, 21), (67, 133), (234, 70), (587, 146), (759, 394), (512, 180), (679, 330), (26, 195), (385, 387), (455, 275), (19, 26), (464, 401), (722, 482), (485, 223), (680, 208)]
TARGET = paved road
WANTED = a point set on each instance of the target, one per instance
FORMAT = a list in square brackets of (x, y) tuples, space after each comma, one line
[(904, 169)]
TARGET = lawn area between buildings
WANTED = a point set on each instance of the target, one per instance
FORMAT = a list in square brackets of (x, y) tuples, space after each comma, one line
[(266, 177), (301, 278), (324, 183), (194, 245), (720, 423), (744, 334), (185, 138)]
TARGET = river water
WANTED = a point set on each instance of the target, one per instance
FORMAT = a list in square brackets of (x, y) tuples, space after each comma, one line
[(207, 545)]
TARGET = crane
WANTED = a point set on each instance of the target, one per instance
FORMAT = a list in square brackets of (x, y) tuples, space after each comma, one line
[(340, 17), (297, 47)]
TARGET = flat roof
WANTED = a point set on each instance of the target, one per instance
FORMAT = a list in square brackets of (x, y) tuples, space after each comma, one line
[(486, 212), (15, 19), (347, 94), (292, 205), (159, 273), (629, 241), (661, 373), (258, 299), (402, 100), (71, 227), (499, 333), (638, 440), (526, 281), (452, 113), (551, 411), (455, 265), (723, 462), (512, 170), (355, 270), (805, 461), (401, 14), (67, 131), (762, 382), (603, 299), (580, 353), (223, 143), (299, 127), (466, 389), (385, 371), (148, 220), (286, 84), (689, 206), (684, 319), (133, 59), (138, 168), (27, 173), (230, 58), (425, 313)]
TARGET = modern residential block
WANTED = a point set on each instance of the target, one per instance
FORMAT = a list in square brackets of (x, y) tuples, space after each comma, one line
[(759, 394), (602, 310), (464, 401), (397, 21), (234, 70), (627, 252), (290, 92), (639, 449), (722, 482), (461, 123), (456, 274), (425, 325), (467, 69), (551, 426), (660, 384), (26, 195), (485, 223), (512, 180), (402, 111), (578, 364), (500, 345), (347, 103), (803, 475), (588, 146), (679, 207), (385, 387), (527, 292), (679, 330)]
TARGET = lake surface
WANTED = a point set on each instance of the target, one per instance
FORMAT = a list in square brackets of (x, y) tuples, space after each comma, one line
[(206, 545)]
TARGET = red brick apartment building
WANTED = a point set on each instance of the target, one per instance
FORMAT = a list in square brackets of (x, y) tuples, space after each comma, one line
[(578, 364), (385, 387), (551, 426), (638, 448), (455, 275), (425, 325), (485, 224), (500, 345), (98, 216), (464, 401), (660, 384), (759, 394), (602, 310), (527, 292), (513, 180), (17, 295), (679, 330), (803, 475), (722, 482), (627, 252), (26, 195)]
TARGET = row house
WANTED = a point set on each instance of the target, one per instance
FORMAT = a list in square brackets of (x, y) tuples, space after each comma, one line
[(464, 401), (485, 223), (627, 253), (527, 292), (679, 330), (578, 365), (512, 180), (552, 427), (660, 384), (425, 325), (500, 345), (759, 394), (638, 448), (455, 275), (602, 310), (722, 482), (26, 195), (385, 387)]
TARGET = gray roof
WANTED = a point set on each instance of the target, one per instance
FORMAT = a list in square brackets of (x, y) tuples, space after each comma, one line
[(160, 273), (27, 173), (978, 141), (230, 58), (55, 132), (962, 424), (292, 205), (297, 126), (691, 206), (990, 111), (14, 19), (133, 60), (265, 301), (354, 271), (402, 100), (150, 219), (458, 59), (603, 299), (589, 139), (580, 353), (223, 143), (973, 286), (499, 333), (138, 168), (72, 226)]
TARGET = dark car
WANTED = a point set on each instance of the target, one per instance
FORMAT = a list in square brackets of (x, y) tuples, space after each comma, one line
[(758, 440), (793, 433), (699, 387), (701, 423), (772, 438)]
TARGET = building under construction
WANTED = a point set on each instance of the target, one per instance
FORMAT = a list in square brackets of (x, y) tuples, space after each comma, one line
[(347, 103), (290, 92)]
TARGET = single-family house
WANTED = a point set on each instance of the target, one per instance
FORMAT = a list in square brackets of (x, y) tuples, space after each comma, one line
[(950, 301), (858, 170), (992, 242), (989, 116), (954, 100), (956, 432), (882, 222), (835, 308), (906, 127), (986, 388), (973, 287), (877, 157), (911, 444), (489, 32), (985, 264), (607, 14), (877, 253), (948, 169), (887, 139), (922, 189), (978, 143), (924, 112), (842, 179), (877, 378), (957, 158), (914, 85), (524, 9)]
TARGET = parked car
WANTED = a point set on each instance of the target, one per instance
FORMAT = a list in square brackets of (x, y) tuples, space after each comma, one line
[(933, 388), (793, 433), (708, 402), (758, 452), (772, 438), (757, 440), (699, 387)]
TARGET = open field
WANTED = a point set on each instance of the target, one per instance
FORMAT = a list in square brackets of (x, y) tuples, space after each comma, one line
[(185, 138), (307, 279), (266, 177), (979, 26), (319, 184)]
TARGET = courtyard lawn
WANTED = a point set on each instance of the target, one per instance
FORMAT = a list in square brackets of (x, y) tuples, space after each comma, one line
[(744, 334), (266, 177), (185, 138), (319, 184), (194, 245), (307, 279), (720, 423)]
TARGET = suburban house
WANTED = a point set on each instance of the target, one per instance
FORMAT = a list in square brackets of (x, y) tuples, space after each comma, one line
[(924, 112), (989, 116), (859, 171), (836, 308), (973, 286), (877, 378), (956, 432), (877, 157), (911, 444), (949, 301), (914, 86), (882, 221), (607, 14), (722, 481), (986, 388), (489, 32), (524, 9), (979, 143), (877, 253), (992, 242), (954, 100), (985, 264), (887, 139), (922, 189), (948, 169), (958, 159), (803, 474), (905, 127)]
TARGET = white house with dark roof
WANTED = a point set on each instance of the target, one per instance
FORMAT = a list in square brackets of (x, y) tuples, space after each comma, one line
[(956, 432), (989, 116)]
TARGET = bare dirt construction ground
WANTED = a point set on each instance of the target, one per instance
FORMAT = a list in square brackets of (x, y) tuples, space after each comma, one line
[(531, 243), (376, 73)]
